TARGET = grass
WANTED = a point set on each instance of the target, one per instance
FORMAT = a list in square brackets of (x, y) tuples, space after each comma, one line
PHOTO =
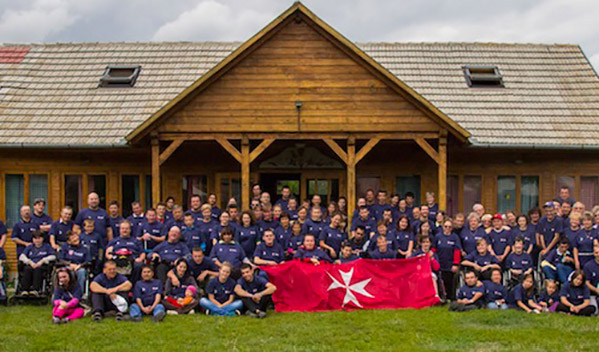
[(28, 328)]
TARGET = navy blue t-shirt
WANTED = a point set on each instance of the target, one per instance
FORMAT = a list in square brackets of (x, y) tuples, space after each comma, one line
[(494, 292), (23, 231), (67, 296), (528, 234), (273, 253), (482, 260), (41, 220), (59, 230), (445, 246), (548, 229), (377, 254), (130, 243), (147, 291), (221, 291), (575, 295), (469, 238), (228, 252), (294, 242), (206, 264), (518, 293), (313, 227), (467, 292), (248, 237), (403, 239), (193, 237), (317, 253), (333, 237), (591, 271), (35, 254), (105, 282), (100, 217), (521, 261), (499, 240), (153, 229), (115, 225), (93, 242), (170, 252), (258, 284), (369, 224), (74, 255)]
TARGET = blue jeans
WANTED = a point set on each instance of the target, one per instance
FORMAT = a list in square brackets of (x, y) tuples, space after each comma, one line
[(228, 310), (135, 310), (494, 305), (81, 277), (562, 272)]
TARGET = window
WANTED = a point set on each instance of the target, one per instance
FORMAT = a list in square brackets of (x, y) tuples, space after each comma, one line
[(366, 183), (230, 187), (38, 188), (97, 183), (148, 192), (483, 76), (506, 193), (529, 193), (129, 192), (73, 190), (14, 193), (453, 190), (472, 192), (567, 181), (406, 184), (294, 186), (194, 184), (120, 76), (327, 189), (589, 187)]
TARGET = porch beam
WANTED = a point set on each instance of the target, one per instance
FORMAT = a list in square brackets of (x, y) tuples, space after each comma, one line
[(351, 179), (245, 173), (337, 149), (367, 148), (170, 149), (260, 148), (155, 143), (230, 148), (169, 136), (428, 149), (442, 165)]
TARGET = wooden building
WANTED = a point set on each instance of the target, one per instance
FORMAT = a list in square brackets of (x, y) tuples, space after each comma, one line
[(297, 104)]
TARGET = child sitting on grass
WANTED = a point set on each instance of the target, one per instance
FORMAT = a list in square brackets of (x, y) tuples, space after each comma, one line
[(470, 296), (66, 298), (522, 297), (495, 292), (190, 293), (550, 297)]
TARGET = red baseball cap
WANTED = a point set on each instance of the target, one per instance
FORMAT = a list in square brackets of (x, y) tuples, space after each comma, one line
[(497, 216)]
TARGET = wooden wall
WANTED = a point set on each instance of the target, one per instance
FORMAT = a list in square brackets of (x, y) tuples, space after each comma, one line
[(298, 64)]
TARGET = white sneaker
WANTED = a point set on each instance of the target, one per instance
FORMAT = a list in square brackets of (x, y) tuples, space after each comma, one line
[(192, 312), (172, 312)]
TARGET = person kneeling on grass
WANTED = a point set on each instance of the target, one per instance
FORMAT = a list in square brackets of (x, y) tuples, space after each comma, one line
[(495, 292), (470, 296), (255, 292), (575, 297), (147, 294), (109, 292), (221, 296), (522, 297), (181, 291), (66, 298)]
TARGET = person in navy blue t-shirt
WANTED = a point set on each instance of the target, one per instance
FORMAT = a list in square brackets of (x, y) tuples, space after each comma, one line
[(248, 234), (35, 260), (309, 251), (76, 257), (470, 296), (522, 297), (500, 238), (481, 261), (147, 295), (519, 262), (114, 218), (448, 247), (332, 236), (60, 227), (527, 232), (549, 229), (200, 267), (549, 298), (255, 292), (221, 294), (591, 272), (382, 250), (41, 219), (269, 251), (471, 233), (495, 293), (587, 239), (404, 237), (94, 243), (22, 231), (558, 263), (346, 255), (109, 292), (168, 252), (97, 214), (575, 296)]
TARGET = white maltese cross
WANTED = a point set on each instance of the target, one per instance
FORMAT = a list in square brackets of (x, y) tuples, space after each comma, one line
[(350, 289)]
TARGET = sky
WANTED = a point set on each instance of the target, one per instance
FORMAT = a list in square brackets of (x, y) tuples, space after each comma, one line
[(508, 21)]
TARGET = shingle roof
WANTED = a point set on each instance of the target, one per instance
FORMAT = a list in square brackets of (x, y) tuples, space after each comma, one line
[(551, 94)]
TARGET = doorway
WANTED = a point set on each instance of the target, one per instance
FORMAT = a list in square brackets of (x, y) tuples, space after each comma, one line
[(273, 182)]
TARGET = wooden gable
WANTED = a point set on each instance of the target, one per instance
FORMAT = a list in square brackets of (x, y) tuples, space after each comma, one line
[(298, 64)]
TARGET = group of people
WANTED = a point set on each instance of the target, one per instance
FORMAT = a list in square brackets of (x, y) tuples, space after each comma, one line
[(167, 260)]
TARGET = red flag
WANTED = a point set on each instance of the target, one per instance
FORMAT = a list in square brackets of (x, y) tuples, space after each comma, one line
[(362, 284)]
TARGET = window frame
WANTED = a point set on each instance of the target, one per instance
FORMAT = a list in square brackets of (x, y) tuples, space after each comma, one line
[(108, 81), (483, 80)]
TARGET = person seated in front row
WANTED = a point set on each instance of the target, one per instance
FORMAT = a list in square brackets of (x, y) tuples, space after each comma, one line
[(382, 250), (221, 294), (167, 252), (481, 260), (591, 272), (360, 242), (269, 251), (346, 255), (382, 231), (228, 250), (575, 297), (147, 294), (128, 246), (559, 262), (518, 261), (332, 235), (176, 298), (201, 268), (109, 292), (94, 242), (549, 298), (522, 297), (495, 293), (66, 297), (255, 292), (309, 251), (75, 257), (470, 296), (36, 259)]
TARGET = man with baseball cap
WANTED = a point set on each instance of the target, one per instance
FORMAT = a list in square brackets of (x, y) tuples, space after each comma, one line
[(549, 228)]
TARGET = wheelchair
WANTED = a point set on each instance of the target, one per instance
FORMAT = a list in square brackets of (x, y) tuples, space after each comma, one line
[(3, 292), (88, 279), (43, 297)]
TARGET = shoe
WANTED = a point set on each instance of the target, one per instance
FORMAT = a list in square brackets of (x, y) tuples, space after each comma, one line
[(34, 293), (207, 311), (120, 316), (24, 293), (56, 320), (97, 316), (172, 312), (261, 314), (136, 319), (159, 317), (192, 311), (250, 314), (65, 320), (237, 312)]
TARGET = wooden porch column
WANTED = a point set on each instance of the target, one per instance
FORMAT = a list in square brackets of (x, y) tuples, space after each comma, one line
[(245, 174), (155, 170), (442, 167), (351, 179)]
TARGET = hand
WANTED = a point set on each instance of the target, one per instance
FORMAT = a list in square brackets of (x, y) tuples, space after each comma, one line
[(574, 309), (112, 295), (257, 297), (155, 256), (477, 267), (175, 281), (139, 260), (333, 254), (146, 237), (34, 265), (202, 276), (314, 261), (455, 268), (111, 291), (544, 252), (62, 305), (180, 300)]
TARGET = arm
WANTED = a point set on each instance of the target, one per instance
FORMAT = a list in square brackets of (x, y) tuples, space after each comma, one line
[(523, 306), (213, 300), (576, 259), (25, 260), (269, 290), (97, 288), (124, 287), (20, 242), (324, 246), (505, 253), (239, 291), (52, 243), (476, 297), (592, 288), (109, 251), (109, 234), (553, 242), (260, 261)]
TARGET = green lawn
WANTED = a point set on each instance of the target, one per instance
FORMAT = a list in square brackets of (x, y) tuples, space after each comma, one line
[(29, 328)]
